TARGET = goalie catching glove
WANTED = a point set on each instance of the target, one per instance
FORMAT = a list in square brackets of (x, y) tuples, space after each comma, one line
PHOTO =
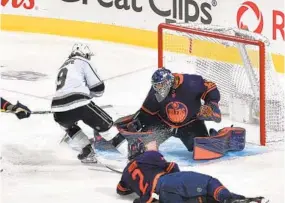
[(210, 112)]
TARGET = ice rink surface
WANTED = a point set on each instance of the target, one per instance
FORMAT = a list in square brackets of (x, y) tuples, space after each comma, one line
[(37, 169)]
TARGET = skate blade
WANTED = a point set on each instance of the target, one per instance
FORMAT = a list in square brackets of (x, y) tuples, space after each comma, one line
[(91, 161)]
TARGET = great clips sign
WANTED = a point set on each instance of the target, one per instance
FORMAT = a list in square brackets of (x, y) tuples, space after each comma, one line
[(258, 18), (26, 4), (176, 11)]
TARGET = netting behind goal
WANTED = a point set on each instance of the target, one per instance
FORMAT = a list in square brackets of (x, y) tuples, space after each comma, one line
[(238, 62)]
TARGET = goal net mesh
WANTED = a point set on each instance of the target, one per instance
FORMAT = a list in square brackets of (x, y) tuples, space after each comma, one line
[(234, 67)]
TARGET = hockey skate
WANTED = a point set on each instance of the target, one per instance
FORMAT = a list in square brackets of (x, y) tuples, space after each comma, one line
[(248, 200), (87, 155)]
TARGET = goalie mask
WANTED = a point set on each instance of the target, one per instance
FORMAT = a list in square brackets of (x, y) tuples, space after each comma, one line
[(162, 81), (82, 50)]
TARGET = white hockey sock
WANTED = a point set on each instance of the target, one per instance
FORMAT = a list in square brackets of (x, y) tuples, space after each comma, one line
[(110, 134), (78, 141)]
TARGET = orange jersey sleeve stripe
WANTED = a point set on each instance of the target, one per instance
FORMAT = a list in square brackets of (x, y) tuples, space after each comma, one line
[(148, 111), (121, 188), (170, 167), (217, 191), (209, 90), (154, 183), (154, 186)]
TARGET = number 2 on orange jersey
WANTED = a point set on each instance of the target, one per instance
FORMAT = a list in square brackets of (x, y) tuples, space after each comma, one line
[(137, 173)]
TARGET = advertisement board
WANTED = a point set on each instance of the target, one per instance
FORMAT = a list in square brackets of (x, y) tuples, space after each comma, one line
[(135, 21)]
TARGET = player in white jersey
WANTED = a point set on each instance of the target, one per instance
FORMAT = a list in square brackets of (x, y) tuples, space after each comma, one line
[(77, 83)]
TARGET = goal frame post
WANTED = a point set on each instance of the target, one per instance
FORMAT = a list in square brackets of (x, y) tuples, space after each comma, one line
[(258, 43)]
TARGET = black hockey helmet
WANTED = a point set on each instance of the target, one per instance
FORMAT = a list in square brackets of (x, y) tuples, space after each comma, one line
[(136, 148)]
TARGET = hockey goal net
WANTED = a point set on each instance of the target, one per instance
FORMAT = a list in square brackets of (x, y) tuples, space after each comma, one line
[(239, 63)]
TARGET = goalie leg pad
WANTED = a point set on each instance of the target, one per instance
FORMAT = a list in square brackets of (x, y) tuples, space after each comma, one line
[(227, 139)]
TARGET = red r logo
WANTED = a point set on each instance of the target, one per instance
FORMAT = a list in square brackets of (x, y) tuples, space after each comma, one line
[(244, 8)]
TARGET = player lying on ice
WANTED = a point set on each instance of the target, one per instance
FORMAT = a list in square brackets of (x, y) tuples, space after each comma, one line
[(152, 178), (173, 108)]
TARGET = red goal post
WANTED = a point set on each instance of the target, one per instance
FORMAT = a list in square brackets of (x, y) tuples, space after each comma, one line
[(236, 39)]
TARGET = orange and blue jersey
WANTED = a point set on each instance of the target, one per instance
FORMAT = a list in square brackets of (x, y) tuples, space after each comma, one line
[(183, 103), (149, 173), (142, 173), (190, 186)]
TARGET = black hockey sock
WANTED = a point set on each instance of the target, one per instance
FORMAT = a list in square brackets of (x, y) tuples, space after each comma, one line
[(117, 139)]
